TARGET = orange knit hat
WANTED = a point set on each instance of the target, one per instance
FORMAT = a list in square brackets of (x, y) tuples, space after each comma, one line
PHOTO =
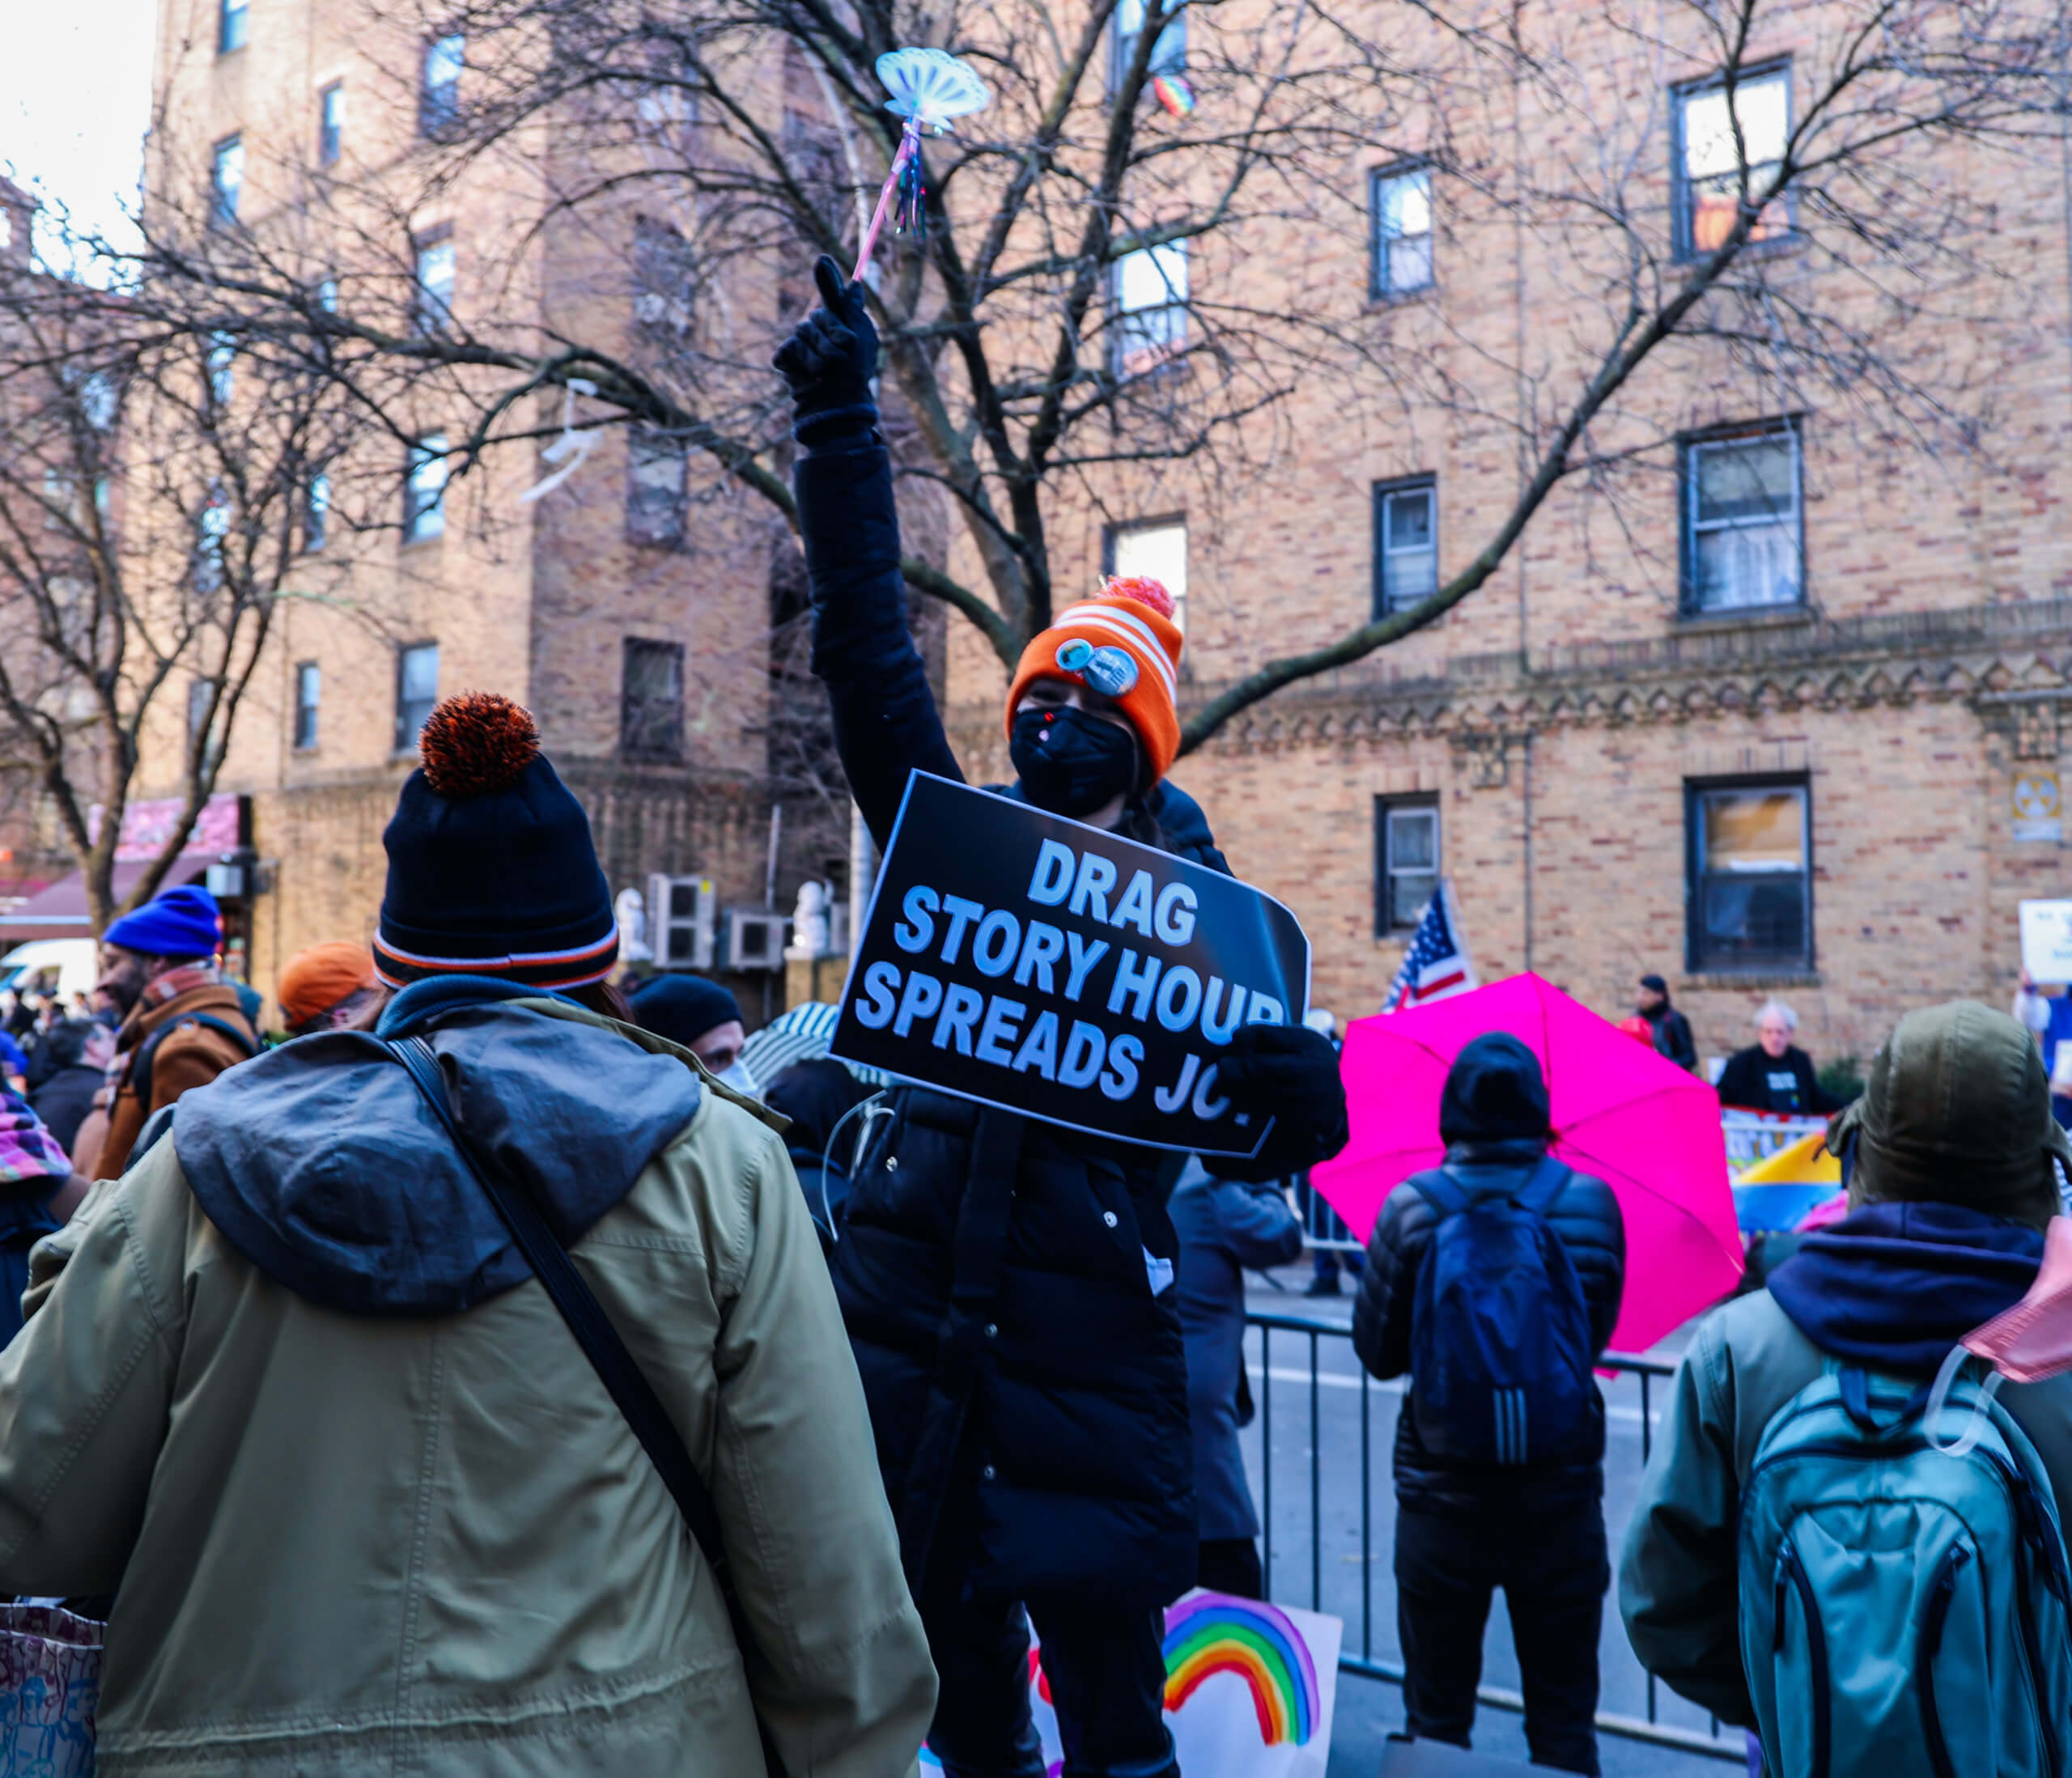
[(1122, 643), (317, 979)]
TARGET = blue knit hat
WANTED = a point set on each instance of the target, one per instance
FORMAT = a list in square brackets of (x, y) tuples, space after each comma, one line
[(183, 922), (490, 868)]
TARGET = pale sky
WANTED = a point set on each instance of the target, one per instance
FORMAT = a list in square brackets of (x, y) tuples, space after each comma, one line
[(75, 100)]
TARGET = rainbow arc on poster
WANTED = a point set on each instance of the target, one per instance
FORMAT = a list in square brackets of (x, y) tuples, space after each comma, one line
[(1211, 1633)]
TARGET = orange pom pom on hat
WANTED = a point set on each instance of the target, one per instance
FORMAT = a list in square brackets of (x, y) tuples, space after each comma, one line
[(1124, 643)]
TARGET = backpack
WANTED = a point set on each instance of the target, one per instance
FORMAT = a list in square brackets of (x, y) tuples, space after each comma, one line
[(1903, 1601), (1500, 1341), (139, 1075)]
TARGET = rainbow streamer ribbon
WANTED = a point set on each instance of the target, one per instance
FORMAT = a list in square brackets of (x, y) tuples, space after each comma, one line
[(1211, 1633)]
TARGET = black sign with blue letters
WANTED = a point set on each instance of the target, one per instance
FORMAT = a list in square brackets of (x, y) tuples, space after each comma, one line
[(1049, 967)]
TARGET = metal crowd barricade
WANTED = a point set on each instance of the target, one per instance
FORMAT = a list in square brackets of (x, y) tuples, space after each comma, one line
[(1358, 1654), (1755, 1135)]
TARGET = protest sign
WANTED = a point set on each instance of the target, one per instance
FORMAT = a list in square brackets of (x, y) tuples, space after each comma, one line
[(2047, 941), (1048, 968)]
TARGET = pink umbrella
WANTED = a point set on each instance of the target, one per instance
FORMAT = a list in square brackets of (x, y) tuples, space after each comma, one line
[(1632, 1117)]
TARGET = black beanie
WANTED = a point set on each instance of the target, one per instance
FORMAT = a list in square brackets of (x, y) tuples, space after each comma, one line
[(683, 1008), (1494, 1093), (490, 868)]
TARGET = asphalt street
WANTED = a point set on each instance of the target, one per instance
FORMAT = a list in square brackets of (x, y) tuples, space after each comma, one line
[(1346, 1572)]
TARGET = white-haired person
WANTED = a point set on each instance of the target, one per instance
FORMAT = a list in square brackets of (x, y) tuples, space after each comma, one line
[(1773, 1074)]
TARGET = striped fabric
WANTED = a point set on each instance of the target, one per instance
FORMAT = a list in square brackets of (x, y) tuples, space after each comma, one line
[(572, 969), (1510, 1425), (800, 1033)]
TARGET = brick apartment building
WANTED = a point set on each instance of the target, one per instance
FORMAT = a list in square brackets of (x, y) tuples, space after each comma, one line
[(1786, 718), (630, 609), (1781, 716)]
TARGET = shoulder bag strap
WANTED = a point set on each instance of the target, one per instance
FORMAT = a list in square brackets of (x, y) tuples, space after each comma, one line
[(615, 1366), (1439, 1188), (1549, 1180)]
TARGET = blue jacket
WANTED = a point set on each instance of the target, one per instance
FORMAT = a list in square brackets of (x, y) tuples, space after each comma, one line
[(1006, 1283), (1224, 1228)]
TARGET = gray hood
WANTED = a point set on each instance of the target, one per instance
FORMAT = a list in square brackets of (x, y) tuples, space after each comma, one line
[(321, 1163)]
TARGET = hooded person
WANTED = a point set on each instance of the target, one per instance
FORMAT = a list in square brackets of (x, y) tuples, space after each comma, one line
[(328, 987), (1464, 1529), (1007, 1283), (1949, 1157), (36, 1194), (290, 1390), (183, 1023), (700, 1017)]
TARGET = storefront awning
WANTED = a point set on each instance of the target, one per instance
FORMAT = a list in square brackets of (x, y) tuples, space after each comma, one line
[(59, 910)]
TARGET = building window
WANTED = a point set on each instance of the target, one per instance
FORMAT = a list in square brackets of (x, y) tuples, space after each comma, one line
[(1750, 896), (439, 97), (308, 693), (222, 362), (225, 181), (1169, 54), (327, 294), (231, 23), (432, 303), (211, 534), (424, 489), (1151, 308), (1403, 231), (330, 123), (1743, 542), (662, 277), (651, 700), (1156, 549), (416, 690), (1406, 544), (315, 513), (1406, 861), (201, 694), (1709, 160), (656, 466)]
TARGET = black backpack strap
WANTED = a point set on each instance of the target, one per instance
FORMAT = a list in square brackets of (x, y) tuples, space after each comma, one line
[(615, 1366), (1439, 1188), (140, 1069), (1543, 1190)]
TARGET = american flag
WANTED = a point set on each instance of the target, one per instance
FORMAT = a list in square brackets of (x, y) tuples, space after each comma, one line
[(1436, 962)]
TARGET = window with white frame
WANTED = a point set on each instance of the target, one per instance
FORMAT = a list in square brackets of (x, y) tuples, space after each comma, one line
[(233, 22), (1750, 848), (416, 690), (1403, 231), (432, 299), (424, 489), (1151, 308), (1169, 53), (315, 513), (1406, 544), (225, 181), (331, 124), (222, 365), (1155, 549), (1406, 861), (438, 95), (1723, 140), (308, 694), (1743, 537)]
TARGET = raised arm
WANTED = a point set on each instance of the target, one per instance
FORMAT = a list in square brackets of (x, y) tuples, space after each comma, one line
[(886, 725)]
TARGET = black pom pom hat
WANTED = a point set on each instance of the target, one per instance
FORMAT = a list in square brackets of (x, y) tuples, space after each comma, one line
[(492, 870)]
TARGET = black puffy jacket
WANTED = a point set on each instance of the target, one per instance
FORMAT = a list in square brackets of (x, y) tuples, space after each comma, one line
[(1035, 1406), (1482, 1111)]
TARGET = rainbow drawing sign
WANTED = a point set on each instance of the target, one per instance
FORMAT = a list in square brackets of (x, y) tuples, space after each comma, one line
[(1250, 1689)]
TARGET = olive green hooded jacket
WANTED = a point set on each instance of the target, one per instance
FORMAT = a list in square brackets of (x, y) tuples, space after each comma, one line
[(428, 1543)]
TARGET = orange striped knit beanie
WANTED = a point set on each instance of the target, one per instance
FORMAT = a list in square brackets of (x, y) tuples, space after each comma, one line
[(1124, 643)]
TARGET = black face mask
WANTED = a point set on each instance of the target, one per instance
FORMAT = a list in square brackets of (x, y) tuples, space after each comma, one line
[(1071, 763)]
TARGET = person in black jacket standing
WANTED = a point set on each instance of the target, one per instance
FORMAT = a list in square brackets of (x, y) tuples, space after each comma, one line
[(1007, 1285), (1536, 1530), (1672, 1030), (1773, 1074)]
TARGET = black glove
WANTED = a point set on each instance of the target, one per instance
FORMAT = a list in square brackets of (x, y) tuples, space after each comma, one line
[(828, 361), (1288, 1073)]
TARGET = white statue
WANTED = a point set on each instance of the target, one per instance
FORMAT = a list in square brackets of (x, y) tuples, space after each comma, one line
[(631, 912), (809, 923)]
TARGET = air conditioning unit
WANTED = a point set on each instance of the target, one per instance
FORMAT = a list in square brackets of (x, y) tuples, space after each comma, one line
[(682, 918), (755, 941)]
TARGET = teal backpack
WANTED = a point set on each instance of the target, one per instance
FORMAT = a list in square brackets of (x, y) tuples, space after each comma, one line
[(1904, 1598)]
